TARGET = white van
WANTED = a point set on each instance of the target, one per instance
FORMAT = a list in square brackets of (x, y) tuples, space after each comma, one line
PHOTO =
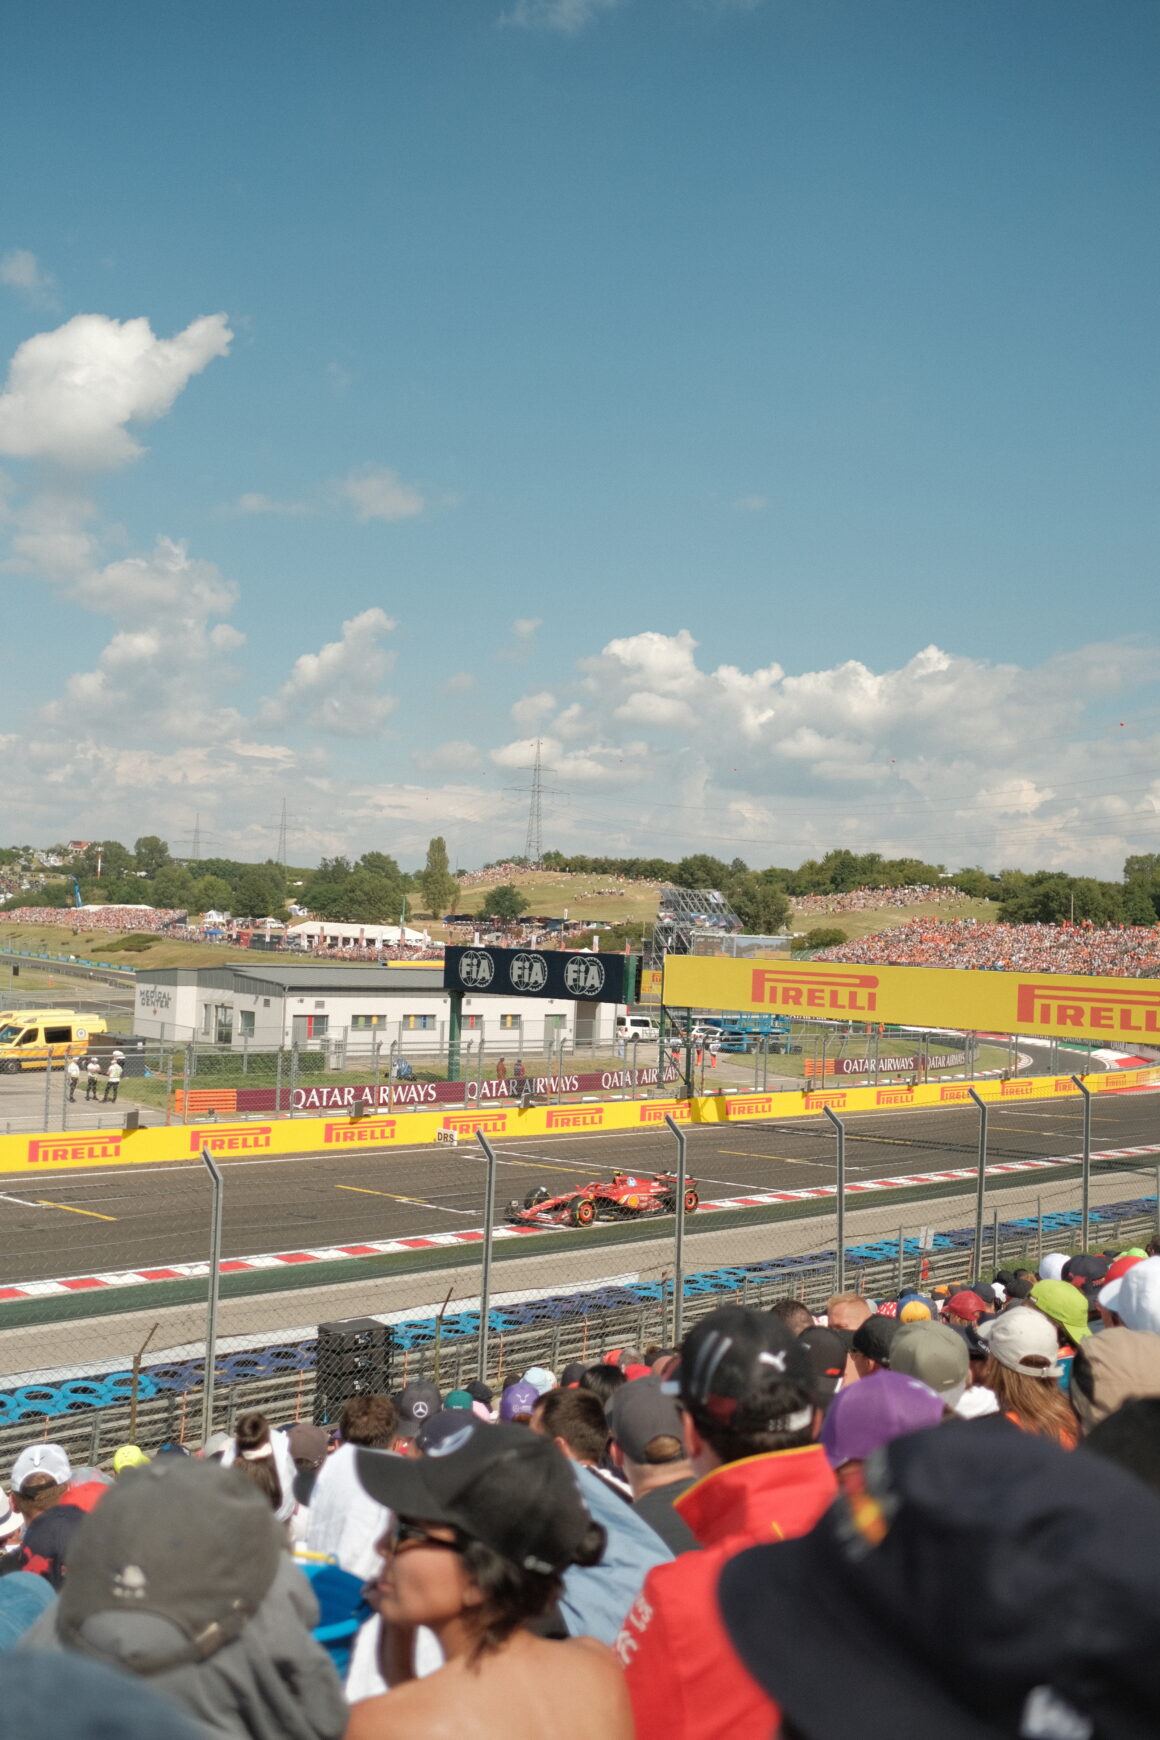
[(641, 1027)]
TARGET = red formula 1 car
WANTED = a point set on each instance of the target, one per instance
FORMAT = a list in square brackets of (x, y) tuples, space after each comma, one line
[(626, 1197)]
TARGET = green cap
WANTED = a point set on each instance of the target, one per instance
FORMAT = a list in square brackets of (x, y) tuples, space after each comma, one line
[(460, 1399), (1065, 1305)]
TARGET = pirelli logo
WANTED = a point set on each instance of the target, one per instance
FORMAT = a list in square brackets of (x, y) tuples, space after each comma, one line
[(467, 1124), (806, 988), (680, 1114), (1016, 1090), (1064, 1085), (894, 1097), (816, 1102), (1135, 1009), (953, 1096), (230, 1138), (751, 1107), (61, 1152), (590, 1118), (364, 1130)]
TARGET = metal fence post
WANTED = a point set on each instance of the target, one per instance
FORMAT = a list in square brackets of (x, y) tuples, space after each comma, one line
[(980, 1183), (47, 1089), (485, 1272), (839, 1202), (293, 1076), (1158, 1201), (1085, 1186), (679, 1235), (211, 1309)]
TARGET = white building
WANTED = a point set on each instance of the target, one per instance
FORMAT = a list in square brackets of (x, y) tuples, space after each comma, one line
[(354, 1010), (333, 935)]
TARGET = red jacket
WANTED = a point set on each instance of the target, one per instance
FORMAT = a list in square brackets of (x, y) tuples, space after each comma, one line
[(684, 1678)]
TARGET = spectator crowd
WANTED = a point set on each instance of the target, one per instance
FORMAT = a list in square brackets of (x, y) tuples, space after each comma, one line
[(933, 1515), (1131, 951), (866, 899)]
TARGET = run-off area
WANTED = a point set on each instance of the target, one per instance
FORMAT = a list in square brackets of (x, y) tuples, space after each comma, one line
[(137, 1218)]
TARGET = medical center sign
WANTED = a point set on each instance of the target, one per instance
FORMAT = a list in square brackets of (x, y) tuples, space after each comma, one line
[(577, 977), (1126, 1011)]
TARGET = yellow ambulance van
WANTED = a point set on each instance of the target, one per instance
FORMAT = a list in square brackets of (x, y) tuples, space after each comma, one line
[(30, 1038)]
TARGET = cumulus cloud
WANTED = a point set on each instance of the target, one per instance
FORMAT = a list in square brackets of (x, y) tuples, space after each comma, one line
[(378, 493), (458, 683), (20, 270), (254, 503), (530, 710), (567, 17), (338, 689), (524, 627), (71, 393), (457, 756)]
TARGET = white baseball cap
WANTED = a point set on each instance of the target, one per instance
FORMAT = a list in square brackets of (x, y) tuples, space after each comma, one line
[(10, 1519), (1135, 1296), (48, 1459), (1024, 1341)]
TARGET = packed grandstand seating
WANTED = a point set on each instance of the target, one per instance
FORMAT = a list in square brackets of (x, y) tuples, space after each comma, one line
[(775, 1529), (1036, 948), (862, 899), (112, 918)]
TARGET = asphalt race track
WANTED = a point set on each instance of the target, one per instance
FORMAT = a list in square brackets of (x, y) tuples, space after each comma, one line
[(138, 1217)]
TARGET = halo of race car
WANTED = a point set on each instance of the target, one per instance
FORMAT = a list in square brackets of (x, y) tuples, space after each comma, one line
[(626, 1196)]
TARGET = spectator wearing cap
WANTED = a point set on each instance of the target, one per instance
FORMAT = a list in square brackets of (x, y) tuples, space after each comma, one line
[(1067, 1309), (1023, 1371), (1061, 1553), (11, 1523), (596, 1598), (181, 1576), (937, 1356), (1051, 1266), (847, 1311), (1116, 1271), (262, 1456), (829, 1350), (870, 1348), (648, 1445), (603, 1380), (517, 1404), (485, 1533), (746, 1391), (1111, 1369), (862, 1419), (52, 1506), (128, 1456), (964, 1308), (1134, 1297), (540, 1378), (345, 1523)]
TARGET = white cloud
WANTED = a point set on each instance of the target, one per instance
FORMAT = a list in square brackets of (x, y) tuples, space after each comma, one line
[(378, 493), (568, 17), (458, 683), (21, 270), (530, 710), (524, 627), (751, 504), (254, 503), (458, 756), (72, 392), (337, 690)]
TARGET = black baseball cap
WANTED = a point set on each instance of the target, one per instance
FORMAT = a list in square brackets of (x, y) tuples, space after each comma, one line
[(479, 1391), (736, 1366), (1060, 1550), (418, 1401), (872, 1339), (639, 1412), (827, 1350), (502, 1485)]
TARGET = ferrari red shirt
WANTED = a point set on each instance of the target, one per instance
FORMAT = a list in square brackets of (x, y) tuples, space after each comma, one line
[(685, 1680)]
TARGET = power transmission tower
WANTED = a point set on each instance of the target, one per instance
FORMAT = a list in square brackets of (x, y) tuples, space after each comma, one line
[(195, 843), (534, 848), (282, 837)]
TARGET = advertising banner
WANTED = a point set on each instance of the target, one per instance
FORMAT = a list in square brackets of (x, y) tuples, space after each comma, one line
[(576, 976), (1068, 1005), (315, 1137)]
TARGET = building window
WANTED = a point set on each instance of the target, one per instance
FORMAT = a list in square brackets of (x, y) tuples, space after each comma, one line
[(509, 1023), (320, 1005), (366, 1023), (473, 1023), (207, 1020), (246, 1023), (225, 1024), (418, 1023)]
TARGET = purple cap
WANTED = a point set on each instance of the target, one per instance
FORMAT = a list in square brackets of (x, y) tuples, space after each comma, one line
[(870, 1413), (518, 1398)]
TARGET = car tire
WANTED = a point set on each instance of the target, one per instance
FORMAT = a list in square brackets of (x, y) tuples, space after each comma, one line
[(692, 1202), (582, 1212)]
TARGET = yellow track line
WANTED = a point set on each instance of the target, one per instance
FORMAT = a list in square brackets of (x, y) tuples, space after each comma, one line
[(419, 1201), (68, 1208)]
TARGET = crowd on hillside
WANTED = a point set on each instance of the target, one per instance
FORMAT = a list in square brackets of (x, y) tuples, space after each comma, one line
[(111, 918), (863, 899), (934, 1515), (1007, 948)]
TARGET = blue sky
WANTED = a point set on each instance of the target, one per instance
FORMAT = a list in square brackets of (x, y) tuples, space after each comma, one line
[(557, 336)]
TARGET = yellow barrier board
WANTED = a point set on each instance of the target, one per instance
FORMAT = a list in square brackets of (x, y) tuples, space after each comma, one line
[(1117, 1011), (83, 1149)]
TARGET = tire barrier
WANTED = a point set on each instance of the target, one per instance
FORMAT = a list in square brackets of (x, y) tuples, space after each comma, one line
[(82, 1395)]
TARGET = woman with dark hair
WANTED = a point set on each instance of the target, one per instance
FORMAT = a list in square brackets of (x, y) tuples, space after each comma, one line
[(482, 1534), (254, 1457)]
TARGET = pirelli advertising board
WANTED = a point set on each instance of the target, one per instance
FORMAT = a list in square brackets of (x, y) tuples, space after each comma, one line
[(1117, 1011)]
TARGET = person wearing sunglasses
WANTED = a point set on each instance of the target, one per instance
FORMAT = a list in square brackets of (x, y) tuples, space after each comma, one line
[(483, 1528)]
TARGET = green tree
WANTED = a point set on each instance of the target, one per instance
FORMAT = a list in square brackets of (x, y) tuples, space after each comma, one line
[(173, 886), (505, 902), (151, 853), (440, 889), (360, 898), (825, 936), (380, 864), (212, 894), (701, 871), (114, 859), (257, 893), (761, 905), (1140, 906)]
